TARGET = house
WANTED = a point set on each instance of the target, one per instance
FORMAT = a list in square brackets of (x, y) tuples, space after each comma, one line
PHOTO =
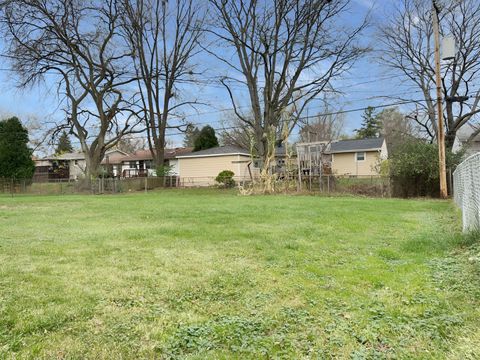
[(112, 162), (140, 163), (71, 166), (200, 168), (461, 140), (359, 157)]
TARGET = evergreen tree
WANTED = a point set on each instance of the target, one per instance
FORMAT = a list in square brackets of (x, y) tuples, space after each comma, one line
[(64, 144), (206, 139), (190, 136), (371, 125), (15, 156)]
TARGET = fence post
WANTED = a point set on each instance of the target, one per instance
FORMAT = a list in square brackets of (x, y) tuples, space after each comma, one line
[(146, 184)]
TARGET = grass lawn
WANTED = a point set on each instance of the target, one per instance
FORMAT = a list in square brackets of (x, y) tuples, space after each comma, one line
[(206, 274)]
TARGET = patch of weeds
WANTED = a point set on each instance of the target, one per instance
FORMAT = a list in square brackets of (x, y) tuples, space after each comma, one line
[(124, 333), (256, 336), (236, 334), (222, 288), (292, 246), (459, 272), (388, 254)]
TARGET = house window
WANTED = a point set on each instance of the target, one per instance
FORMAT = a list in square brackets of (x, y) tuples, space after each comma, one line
[(76, 162), (133, 164), (360, 156)]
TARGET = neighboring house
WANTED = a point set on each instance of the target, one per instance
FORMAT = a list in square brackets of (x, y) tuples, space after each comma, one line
[(461, 140), (112, 162), (71, 166), (74, 162), (140, 163), (283, 161), (357, 157), (201, 167)]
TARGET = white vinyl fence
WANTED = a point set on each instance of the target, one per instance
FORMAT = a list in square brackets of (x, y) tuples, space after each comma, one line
[(466, 191)]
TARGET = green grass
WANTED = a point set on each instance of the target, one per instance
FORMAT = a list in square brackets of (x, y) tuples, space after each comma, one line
[(208, 274)]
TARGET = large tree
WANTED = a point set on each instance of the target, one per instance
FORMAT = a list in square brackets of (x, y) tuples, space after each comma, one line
[(164, 38), (286, 53), (236, 133), (64, 145), (325, 126), (371, 127), (191, 133), (15, 156), (396, 128), (206, 139), (78, 43), (408, 48)]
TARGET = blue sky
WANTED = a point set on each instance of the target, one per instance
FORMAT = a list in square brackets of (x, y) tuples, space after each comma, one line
[(363, 86)]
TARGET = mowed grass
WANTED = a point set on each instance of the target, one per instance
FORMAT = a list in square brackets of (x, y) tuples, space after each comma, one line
[(209, 274)]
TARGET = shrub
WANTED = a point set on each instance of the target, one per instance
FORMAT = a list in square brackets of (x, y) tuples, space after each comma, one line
[(414, 169), (164, 170), (225, 178)]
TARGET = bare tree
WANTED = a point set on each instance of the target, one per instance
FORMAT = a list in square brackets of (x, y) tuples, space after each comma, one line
[(237, 133), (324, 127), (130, 144), (408, 47), (397, 128), (78, 43), (287, 52), (164, 39)]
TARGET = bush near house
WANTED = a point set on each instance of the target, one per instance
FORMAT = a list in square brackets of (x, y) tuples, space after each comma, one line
[(414, 169), (225, 178)]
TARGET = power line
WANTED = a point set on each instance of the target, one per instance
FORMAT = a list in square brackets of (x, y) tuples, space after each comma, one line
[(298, 119)]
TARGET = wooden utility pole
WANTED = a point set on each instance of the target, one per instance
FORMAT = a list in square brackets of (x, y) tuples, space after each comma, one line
[(440, 132)]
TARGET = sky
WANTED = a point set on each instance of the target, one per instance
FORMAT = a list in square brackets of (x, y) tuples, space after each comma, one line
[(365, 85)]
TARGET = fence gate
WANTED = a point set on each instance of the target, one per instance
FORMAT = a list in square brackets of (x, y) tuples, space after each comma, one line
[(466, 191)]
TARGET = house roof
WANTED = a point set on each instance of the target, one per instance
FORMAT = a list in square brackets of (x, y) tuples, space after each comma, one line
[(147, 155), (67, 156), (217, 151), (114, 156), (464, 133), (356, 145)]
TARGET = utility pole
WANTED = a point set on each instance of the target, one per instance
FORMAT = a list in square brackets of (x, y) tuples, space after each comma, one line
[(440, 134)]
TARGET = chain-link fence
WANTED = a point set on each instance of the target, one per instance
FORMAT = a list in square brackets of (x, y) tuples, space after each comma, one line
[(85, 186), (466, 191), (357, 185)]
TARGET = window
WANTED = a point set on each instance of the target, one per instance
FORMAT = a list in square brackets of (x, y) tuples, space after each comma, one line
[(133, 165), (360, 156)]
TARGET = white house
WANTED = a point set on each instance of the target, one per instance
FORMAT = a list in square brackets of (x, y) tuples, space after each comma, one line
[(73, 165), (461, 140), (140, 163)]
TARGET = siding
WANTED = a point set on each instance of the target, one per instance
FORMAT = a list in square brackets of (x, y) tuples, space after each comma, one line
[(201, 171), (346, 164)]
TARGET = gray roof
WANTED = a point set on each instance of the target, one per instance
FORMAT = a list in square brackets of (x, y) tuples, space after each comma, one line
[(356, 145), (67, 156), (217, 151)]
